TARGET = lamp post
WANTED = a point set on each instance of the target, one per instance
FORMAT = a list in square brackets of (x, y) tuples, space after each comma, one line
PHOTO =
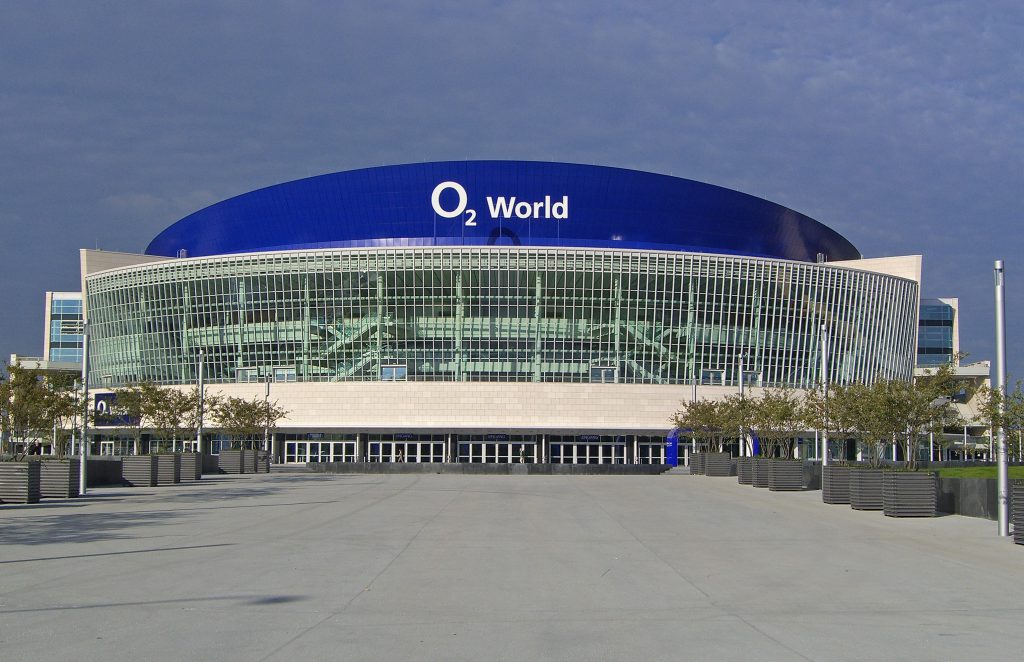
[(1002, 485), (201, 394), (824, 394), (266, 415), (743, 443), (83, 462)]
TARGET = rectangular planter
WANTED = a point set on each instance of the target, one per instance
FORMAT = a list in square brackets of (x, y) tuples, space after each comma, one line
[(168, 469), (866, 489), (718, 465), (971, 497), (191, 467), (251, 464), (785, 475), (909, 493), (759, 471), (835, 484), (1017, 510), (19, 482), (263, 462), (58, 479), (743, 470), (232, 462), (138, 470), (697, 463)]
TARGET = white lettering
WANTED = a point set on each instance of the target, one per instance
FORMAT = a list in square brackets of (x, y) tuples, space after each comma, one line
[(500, 206), (435, 199), (561, 209)]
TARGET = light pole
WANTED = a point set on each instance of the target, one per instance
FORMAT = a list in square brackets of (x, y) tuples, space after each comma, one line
[(266, 416), (83, 461), (201, 395), (1002, 485), (824, 395), (743, 443)]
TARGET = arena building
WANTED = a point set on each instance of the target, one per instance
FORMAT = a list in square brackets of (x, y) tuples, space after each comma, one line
[(494, 311)]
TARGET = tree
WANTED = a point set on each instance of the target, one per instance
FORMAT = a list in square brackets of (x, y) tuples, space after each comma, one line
[(175, 415), (706, 421), (776, 419), (133, 408), (1011, 419), (244, 420), (37, 404)]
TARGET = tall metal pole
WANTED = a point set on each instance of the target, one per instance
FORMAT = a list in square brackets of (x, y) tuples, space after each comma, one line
[(1003, 484), (824, 394), (743, 443), (202, 396), (83, 458), (266, 415)]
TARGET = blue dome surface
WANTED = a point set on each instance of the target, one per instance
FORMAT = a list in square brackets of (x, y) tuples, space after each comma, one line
[(477, 203)]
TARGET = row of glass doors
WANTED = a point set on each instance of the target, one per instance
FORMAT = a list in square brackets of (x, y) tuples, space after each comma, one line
[(485, 449)]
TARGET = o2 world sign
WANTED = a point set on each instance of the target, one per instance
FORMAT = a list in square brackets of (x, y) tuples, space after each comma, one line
[(499, 206)]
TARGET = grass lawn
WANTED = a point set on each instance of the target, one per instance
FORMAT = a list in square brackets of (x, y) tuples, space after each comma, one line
[(1016, 473)]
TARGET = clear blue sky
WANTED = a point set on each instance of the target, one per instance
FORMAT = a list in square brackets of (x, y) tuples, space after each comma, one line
[(899, 124)]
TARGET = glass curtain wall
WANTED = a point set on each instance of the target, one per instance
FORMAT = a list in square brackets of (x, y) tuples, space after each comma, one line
[(497, 314)]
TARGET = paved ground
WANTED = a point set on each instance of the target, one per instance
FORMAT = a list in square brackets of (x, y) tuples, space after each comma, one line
[(321, 567)]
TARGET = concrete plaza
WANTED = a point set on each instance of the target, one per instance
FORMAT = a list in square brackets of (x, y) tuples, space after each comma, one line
[(357, 567)]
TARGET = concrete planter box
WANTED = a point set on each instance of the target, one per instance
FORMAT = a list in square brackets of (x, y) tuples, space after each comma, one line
[(232, 462), (1017, 510), (866, 489), (263, 462), (785, 475), (697, 463), (19, 482), (249, 459), (744, 470), (718, 465), (909, 493), (168, 469), (191, 467), (139, 470), (58, 479), (835, 484), (759, 471), (970, 497)]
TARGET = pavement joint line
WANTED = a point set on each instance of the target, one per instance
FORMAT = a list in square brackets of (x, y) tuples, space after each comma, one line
[(713, 602), (369, 585)]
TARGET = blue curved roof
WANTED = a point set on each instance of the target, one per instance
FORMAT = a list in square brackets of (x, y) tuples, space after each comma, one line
[(482, 202)]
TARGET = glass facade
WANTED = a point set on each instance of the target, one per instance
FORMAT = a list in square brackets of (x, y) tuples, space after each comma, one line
[(935, 334), (505, 314), (65, 333)]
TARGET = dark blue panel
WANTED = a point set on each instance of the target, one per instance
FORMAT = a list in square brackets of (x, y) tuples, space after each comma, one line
[(672, 448), (606, 208)]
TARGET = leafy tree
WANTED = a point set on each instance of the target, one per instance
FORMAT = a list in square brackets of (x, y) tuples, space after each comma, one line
[(175, 414), (776, 419), (738, 412), (134, 406), (36, 403), (244, 420), (704, 421), (1011, 419)]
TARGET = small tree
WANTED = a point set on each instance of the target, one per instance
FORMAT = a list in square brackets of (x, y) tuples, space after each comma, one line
[(244, 420), (134, 407), (1011, 419), (37, 404), (776, 418), (706, 421), (175, 415), (738, 413)]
